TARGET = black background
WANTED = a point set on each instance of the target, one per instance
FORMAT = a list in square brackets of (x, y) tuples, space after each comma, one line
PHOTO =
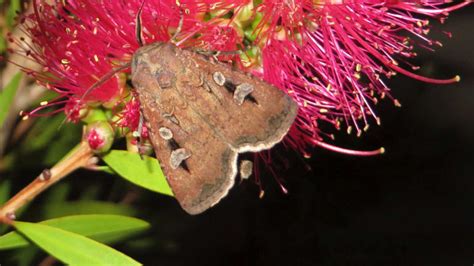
[(412, 206)]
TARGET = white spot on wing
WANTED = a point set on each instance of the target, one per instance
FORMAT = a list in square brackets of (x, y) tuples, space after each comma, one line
[(178, 156), (165, 133), (241, 92), (219, 78)]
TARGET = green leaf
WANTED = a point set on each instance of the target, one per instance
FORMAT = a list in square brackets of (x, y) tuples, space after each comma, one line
[(5, 187), (11, 12), (58, 193), (72, 248), (43, 132), (7, 95), (105, 169), (58, 209), (90, 192), (3, 44), (102, 228), (145, 173), (51, 138), (24, 256)]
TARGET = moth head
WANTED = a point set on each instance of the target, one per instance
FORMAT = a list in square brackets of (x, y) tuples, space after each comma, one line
[(153, 66), (140, 55)]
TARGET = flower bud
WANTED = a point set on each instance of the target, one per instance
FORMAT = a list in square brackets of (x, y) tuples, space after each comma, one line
[(100, 136)]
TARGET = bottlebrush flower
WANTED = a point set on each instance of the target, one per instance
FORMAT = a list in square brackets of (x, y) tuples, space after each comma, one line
[(78, 42), (331, 56)]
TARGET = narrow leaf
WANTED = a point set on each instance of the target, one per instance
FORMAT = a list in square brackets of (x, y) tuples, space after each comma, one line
[(145, 173), (7, 95), (24, 256), (59, 209), (3, 44), (43, 133), (58, 193), (105, 169), (13, 8), (5, 187), (102, 228), (72, 248), (4, 191)]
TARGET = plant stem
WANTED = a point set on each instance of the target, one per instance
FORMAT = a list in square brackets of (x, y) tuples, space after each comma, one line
[(79, 157)]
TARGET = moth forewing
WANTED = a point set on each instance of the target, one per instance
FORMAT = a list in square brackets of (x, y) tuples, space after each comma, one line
[(200, 119)]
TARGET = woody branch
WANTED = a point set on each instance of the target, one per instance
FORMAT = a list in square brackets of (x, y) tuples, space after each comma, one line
[(81, 156)]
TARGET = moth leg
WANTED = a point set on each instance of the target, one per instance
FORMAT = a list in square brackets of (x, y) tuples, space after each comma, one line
[(138, 134)]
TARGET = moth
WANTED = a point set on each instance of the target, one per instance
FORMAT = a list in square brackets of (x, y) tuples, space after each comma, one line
[(201, 114)]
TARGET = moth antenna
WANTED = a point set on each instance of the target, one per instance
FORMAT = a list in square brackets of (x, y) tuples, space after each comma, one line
[(180, 24), (104, 79), (138, 25)]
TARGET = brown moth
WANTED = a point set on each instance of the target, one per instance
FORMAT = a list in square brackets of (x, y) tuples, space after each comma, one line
[(201, 114)]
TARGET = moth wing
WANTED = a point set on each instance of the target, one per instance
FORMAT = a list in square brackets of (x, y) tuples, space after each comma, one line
[(178, 91), (260, 121), (206, 176), (257, 123)]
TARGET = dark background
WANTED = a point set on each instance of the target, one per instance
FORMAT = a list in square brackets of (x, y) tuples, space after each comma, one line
[(412, 206)]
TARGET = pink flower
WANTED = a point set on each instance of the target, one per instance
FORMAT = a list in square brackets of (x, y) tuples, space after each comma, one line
[(80, 42), (332, 56)]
